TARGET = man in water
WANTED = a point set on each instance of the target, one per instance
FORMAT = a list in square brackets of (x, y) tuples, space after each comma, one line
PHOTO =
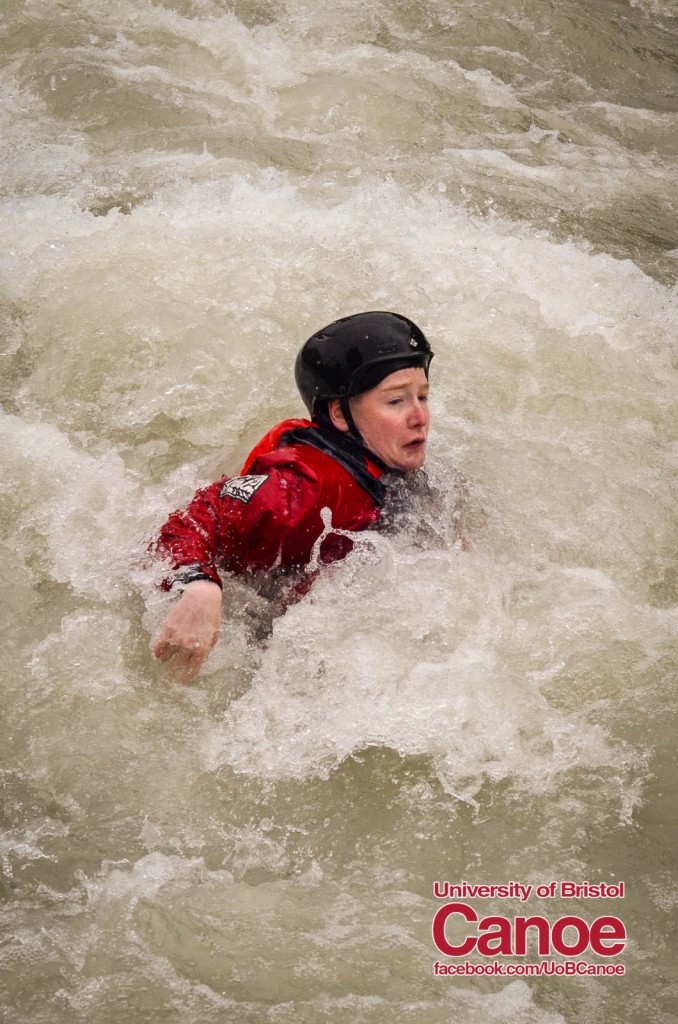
[(364, 381)]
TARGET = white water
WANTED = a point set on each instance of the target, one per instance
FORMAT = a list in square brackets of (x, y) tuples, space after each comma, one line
[(188, 192)]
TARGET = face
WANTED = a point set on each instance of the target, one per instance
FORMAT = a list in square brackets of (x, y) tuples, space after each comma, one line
[(393, 418)]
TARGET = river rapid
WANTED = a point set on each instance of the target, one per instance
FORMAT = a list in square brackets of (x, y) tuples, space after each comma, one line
[(188, 190)]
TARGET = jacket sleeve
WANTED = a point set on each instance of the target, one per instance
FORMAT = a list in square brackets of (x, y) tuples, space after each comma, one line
[(188, 541), (269, 519)]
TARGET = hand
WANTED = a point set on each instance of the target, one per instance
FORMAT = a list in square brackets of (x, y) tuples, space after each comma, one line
[(191, 630)]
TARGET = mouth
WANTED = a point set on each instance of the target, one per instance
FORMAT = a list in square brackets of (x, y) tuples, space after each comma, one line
[(418, 442)]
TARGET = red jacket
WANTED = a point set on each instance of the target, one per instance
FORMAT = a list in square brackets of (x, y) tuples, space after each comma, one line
[(271, 516)]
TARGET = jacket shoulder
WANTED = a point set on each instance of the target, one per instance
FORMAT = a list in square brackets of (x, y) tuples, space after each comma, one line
[(303, 461), (270, 441)]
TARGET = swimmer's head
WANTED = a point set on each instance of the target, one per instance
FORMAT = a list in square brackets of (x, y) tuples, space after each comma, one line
[(367, 375), (354, 354)]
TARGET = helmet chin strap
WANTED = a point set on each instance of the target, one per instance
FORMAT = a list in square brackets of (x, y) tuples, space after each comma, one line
[(352, 436), (348, 416), (355, 434)]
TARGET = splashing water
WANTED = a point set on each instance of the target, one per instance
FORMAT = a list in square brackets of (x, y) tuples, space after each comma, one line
[(189, 189)]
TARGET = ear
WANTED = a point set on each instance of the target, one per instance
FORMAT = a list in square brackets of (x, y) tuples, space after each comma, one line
[(337, 415)]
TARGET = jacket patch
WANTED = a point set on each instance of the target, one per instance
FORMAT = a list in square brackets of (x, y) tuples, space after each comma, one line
[(242, 488)]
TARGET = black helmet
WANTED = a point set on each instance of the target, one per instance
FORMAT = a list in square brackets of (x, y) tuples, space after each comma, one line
[(355, 353)]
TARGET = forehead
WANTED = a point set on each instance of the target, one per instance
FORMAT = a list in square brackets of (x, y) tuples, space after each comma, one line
[(411, 376)]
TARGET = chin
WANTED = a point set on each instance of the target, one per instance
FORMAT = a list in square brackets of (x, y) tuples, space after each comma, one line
[(413, 461)]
